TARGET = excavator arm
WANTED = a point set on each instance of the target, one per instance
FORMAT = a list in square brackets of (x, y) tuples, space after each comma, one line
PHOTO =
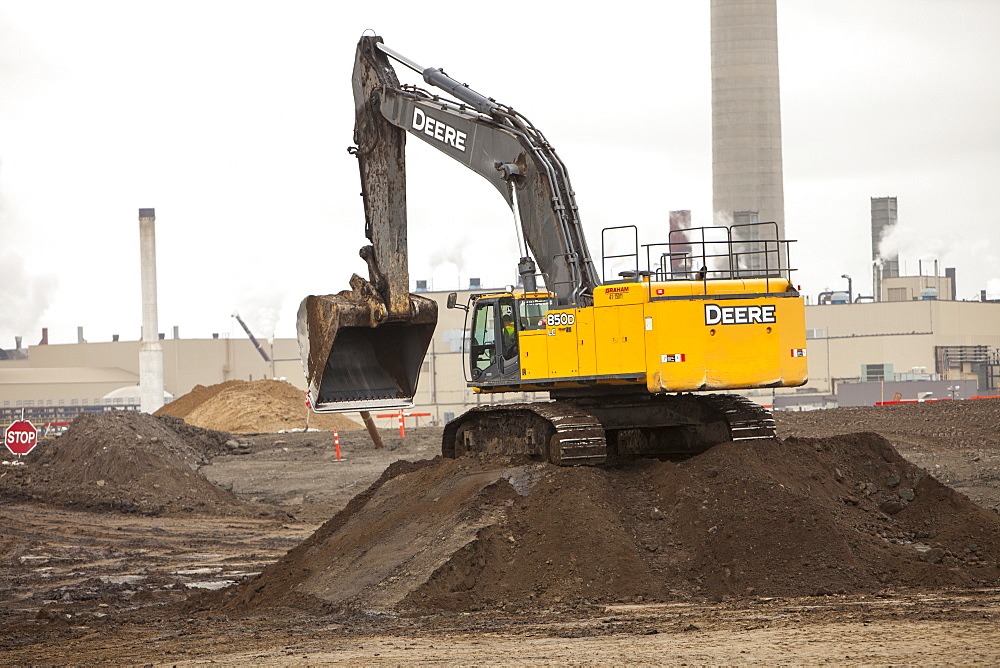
[(363, 348), (503, 147)]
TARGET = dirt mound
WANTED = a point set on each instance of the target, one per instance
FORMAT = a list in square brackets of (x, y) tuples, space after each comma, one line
[(181, 406), (955, 440), (125, 461), (796, 517), (252, 407), (946, 425)]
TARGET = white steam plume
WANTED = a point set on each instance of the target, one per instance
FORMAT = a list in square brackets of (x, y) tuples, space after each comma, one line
[(25, 298), (26, 294), (910, 245), (448, 255), (260, 307)]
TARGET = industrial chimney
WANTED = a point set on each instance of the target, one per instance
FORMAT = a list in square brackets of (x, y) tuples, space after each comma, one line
[(746, 116), (150, 351)]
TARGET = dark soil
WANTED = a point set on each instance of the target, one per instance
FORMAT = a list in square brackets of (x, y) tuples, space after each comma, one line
[(480, 559), (802, 516), (125, 461), (957, 441)]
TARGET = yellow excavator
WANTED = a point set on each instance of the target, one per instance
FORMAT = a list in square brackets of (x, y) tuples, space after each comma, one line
[(706, 310)]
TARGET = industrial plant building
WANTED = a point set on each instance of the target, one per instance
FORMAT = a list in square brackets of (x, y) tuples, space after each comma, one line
[(914, 347)]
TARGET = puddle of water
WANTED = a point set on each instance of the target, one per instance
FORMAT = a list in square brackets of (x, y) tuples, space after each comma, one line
[(209, 584), (198, 571), (200, 555), (122, 579)]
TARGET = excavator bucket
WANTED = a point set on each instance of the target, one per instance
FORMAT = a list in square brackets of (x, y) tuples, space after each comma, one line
[(355, 359)]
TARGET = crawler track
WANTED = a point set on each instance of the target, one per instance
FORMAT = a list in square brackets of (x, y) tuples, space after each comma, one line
[(560, 432), (567, 434), (747, 420)]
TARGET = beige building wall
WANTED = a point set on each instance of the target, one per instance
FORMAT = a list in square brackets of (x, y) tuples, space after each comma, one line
[(82, 373), (842, 337), (59, 386), (85, 372)]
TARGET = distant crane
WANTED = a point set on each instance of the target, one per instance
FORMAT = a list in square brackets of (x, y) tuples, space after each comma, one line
[(256, 343)]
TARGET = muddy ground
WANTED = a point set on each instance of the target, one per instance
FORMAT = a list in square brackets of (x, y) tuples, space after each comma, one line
[(142, 585)]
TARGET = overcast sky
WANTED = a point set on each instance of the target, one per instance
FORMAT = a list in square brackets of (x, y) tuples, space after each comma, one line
[(232, 120)]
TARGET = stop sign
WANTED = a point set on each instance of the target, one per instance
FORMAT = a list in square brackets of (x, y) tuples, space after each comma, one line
[(21, 437)]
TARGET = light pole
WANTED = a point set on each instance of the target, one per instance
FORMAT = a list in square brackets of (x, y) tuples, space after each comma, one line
[(850, 293)]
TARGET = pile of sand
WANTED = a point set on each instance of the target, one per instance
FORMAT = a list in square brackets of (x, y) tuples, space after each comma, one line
[(251, 407), (124, 461), (790, 518), (183, 405)]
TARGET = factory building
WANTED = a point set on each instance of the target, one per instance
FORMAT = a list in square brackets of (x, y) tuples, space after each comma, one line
[(915, 343), (923, 340), (54, 382)]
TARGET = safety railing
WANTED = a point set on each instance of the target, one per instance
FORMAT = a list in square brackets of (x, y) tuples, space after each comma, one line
[(742, 251), (629, 274)]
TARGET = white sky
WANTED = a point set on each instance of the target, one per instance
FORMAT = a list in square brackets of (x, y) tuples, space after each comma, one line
[(232, 120)]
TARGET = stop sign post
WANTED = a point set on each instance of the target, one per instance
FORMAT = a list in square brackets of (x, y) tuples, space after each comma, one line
[(21, 437)]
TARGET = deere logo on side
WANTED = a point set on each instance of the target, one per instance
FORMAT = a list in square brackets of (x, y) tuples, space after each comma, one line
[(443, 132), (739, 315)]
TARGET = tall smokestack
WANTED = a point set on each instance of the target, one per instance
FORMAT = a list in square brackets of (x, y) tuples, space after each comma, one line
[(885, 215), (746, 114), (150, 351)]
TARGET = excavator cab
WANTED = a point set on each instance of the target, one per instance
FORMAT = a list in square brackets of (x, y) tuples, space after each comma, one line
[(495, 331), (493, 349)]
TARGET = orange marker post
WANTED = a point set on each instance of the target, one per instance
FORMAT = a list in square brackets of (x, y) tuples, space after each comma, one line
[(402, 423), (336, 444)]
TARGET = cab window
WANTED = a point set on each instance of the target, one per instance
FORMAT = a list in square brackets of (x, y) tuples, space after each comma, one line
[(483, 336), (531, 313), (508, 330)]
